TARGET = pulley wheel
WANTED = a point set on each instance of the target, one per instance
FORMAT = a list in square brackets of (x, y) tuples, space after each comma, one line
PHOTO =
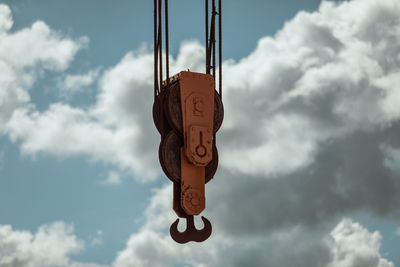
[(157, 111), (174, 112), (170, 158)]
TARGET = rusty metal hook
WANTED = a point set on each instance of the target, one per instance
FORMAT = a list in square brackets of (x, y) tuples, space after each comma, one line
[(191, 233)]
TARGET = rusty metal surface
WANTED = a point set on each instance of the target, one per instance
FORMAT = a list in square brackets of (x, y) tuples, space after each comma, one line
[(176, 205), (199, 145), (170, 161), (169, 156), (174, 112), (192, 187), (191, 233), (197, 105), (173, 107)]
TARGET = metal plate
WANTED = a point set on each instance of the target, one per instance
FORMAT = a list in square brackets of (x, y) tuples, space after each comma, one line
[(169, 156), (174, 113)]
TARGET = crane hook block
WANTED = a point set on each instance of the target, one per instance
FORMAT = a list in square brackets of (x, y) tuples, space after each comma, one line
[(187, 113)]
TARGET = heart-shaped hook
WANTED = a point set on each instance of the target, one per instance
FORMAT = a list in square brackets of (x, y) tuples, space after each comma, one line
[(191, 233)]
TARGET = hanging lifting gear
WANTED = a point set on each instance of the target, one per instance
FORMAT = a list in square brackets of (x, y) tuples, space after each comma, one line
[(187, 112)]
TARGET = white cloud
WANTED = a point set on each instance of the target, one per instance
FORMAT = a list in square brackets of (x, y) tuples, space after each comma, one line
[(398, 231), (63, 130), (64, 126), (25, 53), (353, 245), (51, 245), (322, 75), (6, 21), (72, 84), (113, 179), (98, 239), (114, 130), (38, 44)]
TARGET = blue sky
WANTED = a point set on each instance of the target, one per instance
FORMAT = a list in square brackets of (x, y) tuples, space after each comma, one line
[(311, 108)]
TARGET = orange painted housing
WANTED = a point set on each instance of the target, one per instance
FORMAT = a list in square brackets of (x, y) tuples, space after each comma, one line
[(197, 104)]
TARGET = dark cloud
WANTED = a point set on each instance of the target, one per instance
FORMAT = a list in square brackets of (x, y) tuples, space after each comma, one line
[(348, 175)]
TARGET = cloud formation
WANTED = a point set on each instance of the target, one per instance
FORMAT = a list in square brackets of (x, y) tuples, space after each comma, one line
[(113, 179), (72, 84), (51, 245), (324, 76), (311, 124), (353, 245), (311, 135), (347, 244), (117, 129), (22, 55)]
